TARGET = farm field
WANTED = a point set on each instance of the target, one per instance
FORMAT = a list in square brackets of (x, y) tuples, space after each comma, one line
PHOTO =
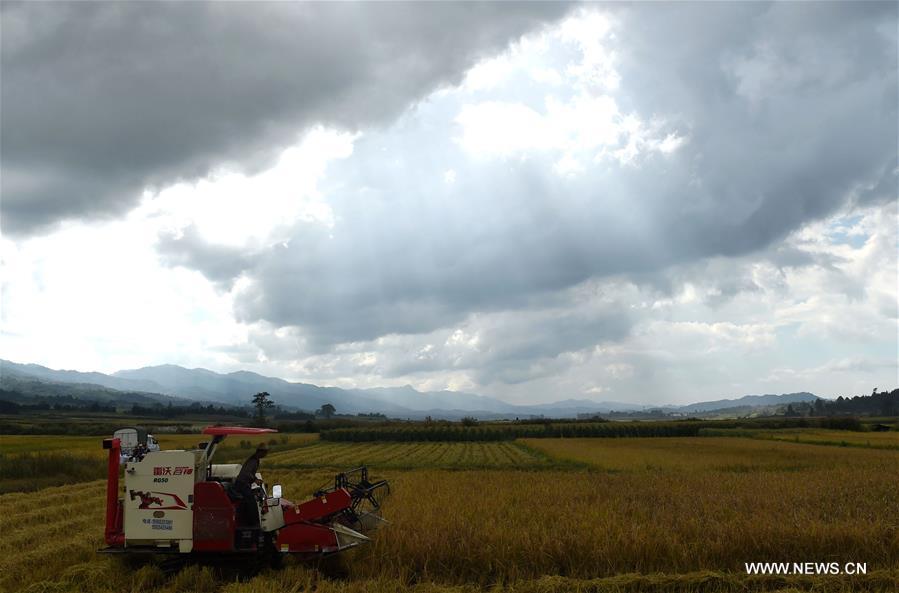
[(91, 445), (718, 454), (641, 514), (79, 445), (840, 438), (30, 462), (453, 455)]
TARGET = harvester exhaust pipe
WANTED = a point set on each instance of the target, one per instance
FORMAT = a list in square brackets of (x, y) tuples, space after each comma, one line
[(115, 536)]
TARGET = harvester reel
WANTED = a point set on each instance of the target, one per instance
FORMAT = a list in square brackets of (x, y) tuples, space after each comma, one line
[(367, 497)]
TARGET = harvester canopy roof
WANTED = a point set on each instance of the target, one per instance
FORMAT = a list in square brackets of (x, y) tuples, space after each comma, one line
[(226, 430)]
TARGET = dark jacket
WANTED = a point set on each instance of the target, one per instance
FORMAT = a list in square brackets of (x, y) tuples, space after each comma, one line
[(248, 471)]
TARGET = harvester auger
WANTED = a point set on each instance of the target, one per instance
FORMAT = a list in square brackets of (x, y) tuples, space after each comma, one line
[(179, 502)]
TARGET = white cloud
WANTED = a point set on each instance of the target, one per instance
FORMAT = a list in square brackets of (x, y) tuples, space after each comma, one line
[(501, 129), (587, 30), (97, 297), (579, 128), (237, 209), (577, 132), (94, 297)]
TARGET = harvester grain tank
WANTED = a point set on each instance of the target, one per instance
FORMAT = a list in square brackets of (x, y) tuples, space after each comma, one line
[(179, 502)]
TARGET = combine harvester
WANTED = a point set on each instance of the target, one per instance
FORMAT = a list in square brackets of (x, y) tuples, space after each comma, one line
[(179, 502)]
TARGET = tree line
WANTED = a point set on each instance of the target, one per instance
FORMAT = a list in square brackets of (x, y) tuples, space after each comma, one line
[(508, 432), (877, 404)]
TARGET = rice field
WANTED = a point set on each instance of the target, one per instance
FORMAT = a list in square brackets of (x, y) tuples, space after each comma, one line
[(451, 455), (29, 462), (838, 438), (676, 514), (92, 445), (727, 454)]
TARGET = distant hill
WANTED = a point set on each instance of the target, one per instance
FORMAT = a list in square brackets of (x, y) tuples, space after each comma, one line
[(236, 389), (165, 383), (19, 387), (749, 401), (40, 372)]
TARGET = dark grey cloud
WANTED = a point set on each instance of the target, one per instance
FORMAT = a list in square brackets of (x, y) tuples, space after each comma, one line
[(221, 264), (514, 347), (791, 109), (721, 279), (103, 99), (399, 265), (506, 347), (789, 112), (516, 352)]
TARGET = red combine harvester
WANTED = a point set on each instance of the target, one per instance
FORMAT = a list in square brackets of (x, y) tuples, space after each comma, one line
[(180, 502)]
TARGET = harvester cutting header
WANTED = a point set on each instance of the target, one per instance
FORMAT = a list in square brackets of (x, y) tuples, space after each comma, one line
[(178, 501)]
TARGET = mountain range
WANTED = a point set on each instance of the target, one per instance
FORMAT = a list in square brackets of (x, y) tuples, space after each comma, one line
[(171, 383)]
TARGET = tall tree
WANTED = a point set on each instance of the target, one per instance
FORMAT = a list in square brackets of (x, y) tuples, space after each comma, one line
[(262, 402), (819, 407), (327, 410)]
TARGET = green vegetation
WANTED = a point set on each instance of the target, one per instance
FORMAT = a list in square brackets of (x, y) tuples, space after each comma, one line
[(87, 446), (508, 432), (877, 404), (188, 420), (85, 424), (261, 403)]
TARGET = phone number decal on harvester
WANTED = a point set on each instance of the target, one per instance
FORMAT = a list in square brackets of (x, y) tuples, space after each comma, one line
[(164, 524)]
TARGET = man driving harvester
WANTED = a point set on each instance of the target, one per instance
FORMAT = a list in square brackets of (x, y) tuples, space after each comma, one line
[(243, 485)]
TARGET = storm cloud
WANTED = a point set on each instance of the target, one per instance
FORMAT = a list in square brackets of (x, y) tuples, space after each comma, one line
[(777, 125), (101, 101), (653, 201)]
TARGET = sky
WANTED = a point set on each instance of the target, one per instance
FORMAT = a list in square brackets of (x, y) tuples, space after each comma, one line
[(651, 203)]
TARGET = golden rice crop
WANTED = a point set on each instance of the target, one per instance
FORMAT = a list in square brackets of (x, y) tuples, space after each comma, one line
[(29, 462), (16, 444), (92, 445), (495, 526), (816, 436), (710, 453), (379, 455), (637, 516)]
